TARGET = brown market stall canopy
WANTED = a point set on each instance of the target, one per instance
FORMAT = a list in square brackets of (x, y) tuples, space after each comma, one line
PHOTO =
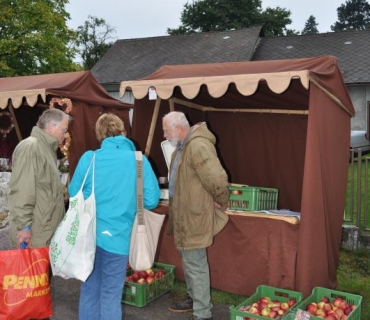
[(283, 124), (25, 98)]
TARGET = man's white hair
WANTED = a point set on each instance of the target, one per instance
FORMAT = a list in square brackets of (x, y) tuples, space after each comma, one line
[(175, 118)]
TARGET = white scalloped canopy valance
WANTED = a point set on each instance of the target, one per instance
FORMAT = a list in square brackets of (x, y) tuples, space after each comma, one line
[(16, 97), (217, 86)]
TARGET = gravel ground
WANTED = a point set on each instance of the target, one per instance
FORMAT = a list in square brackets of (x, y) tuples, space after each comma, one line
[(65, 295)]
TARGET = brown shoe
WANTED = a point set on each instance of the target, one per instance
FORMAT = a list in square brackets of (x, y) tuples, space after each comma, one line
[(182, 306)]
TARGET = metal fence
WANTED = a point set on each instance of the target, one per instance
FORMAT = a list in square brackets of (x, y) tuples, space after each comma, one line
[(358, 198)]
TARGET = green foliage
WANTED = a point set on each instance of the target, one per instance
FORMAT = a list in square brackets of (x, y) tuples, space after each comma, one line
[(275, 21), (93, 41), (220, 15), (353, 15), (310, 26), (34, 38)]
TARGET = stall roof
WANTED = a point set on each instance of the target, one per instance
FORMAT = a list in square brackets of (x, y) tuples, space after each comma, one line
[(80, 86), (217, 77)]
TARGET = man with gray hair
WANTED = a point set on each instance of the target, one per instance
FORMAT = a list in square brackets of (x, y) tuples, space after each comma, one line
[(36, 202), (198, 193)]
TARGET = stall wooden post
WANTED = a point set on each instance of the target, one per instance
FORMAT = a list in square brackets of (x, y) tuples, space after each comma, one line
[(16, 126), (152, 127)]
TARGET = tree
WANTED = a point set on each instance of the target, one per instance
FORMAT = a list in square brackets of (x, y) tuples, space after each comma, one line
[(353, 15), (220, 15), (93, 40), (275, 21), (34, 38), (310, 26)]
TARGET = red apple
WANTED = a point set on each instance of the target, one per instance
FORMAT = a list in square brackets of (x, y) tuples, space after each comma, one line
[(291, 302), (141, 281), (312, 308), (320, 313), (273, 314), (150, 279), (284, 306), (348, 311), (325, 299), (265, 300), (150, 272), (337, 301), (344, 317), (281, 312), (253, 310), (339, 312), (159, 274), (256, 305), (143, 274), (327, 306), (265, 312), (135, 276), (262, 305), (331, 317), (320, 305), (343, 305)]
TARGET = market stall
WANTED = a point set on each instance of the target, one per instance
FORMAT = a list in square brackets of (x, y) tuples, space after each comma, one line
[(23, 99), (283, 124)]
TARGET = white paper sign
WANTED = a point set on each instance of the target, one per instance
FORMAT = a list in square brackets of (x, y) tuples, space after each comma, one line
[(152, 93)]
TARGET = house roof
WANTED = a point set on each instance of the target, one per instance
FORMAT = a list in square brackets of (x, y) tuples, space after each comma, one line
[(351, 48), (133, 59)]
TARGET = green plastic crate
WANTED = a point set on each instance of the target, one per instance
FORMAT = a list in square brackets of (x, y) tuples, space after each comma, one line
[(281, 295), (248, 198), (290, 315), (318, 293), (139, 295)]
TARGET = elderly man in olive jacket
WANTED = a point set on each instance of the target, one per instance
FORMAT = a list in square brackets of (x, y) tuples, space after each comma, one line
[(198, 191), (36, 193)]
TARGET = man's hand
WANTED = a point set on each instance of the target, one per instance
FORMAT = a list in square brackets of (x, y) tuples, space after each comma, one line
[(24, 236)]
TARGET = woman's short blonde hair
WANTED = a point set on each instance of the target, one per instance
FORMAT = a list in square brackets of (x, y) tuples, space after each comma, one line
[(109, 125)]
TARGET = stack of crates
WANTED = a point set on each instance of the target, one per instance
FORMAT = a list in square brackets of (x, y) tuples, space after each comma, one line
[(248, 198)]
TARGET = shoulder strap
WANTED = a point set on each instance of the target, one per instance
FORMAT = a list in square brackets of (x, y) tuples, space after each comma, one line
[(139, 187), (92, 163)]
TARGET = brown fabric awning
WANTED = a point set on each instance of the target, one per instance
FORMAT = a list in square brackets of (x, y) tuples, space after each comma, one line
[(79, 86), (283, 124), (89, 101), (246, 77)]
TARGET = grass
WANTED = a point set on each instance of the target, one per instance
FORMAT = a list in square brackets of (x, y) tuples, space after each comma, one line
[(353, 277)]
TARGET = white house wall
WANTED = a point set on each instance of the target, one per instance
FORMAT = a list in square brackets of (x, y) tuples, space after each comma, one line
[(360, 96)]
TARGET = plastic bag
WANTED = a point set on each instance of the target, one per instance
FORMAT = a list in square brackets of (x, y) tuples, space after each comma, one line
[(25, 284)]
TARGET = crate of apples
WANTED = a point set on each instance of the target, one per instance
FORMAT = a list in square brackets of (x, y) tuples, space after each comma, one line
[(146, 276), (332, 305), (266, 302), (265, 307)]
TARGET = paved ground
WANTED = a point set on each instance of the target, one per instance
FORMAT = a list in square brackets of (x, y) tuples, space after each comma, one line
[(65, 295)]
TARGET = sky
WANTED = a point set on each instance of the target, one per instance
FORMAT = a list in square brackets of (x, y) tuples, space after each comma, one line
[(150, 18)]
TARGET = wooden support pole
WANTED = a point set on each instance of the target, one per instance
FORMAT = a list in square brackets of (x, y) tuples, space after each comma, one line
[(16, 126), (152, 127), (255, 110), (172, 104)]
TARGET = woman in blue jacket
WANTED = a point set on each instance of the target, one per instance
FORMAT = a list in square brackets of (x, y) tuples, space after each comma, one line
[(115, 194)]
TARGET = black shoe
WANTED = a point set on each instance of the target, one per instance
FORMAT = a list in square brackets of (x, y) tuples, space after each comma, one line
[(182, 306), (197, 318)]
